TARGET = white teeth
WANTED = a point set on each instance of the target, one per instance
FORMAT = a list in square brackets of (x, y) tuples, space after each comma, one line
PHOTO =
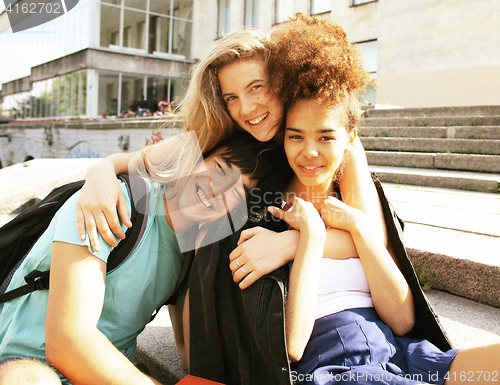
[(259, 119), (311, 168), (204, 200)]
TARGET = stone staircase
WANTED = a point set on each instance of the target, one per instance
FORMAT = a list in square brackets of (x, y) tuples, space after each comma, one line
[(450, 147)]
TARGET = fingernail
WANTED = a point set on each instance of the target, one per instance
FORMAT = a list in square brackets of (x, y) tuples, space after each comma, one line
[(82, 237)]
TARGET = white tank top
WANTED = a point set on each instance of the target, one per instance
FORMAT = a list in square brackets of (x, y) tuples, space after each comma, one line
[(342, 285)]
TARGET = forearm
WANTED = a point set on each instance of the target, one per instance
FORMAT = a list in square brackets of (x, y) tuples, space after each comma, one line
[(390, 292), (92, 359), (338, 244), (115, 164), (358, 190), (303, 292)]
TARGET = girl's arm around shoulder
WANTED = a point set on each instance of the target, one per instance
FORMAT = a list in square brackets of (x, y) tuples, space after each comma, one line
[(358, 190)]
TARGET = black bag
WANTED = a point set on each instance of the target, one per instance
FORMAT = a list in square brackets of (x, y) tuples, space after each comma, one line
[(18, 236)]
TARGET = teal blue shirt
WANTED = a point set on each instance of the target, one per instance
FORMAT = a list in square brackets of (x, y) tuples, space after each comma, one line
[(133, 290)]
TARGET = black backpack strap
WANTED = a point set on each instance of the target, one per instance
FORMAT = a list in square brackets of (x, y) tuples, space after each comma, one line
[(139, 201), (36, 280)]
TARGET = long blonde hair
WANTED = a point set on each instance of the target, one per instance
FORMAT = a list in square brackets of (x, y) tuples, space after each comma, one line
[(203, 108)]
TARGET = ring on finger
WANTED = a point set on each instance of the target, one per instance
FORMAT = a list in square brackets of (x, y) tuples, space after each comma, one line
[(237, 262), (243, 270)]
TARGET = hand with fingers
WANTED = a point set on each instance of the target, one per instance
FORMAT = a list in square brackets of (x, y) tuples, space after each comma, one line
[(99, 204), (302, 215), (260, 252), (336, 214)]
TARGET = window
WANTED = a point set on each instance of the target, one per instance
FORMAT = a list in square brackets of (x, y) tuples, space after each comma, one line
[(369, 53), (223, 22), (359, 2), (110, 26), (283, 10), (321, 6), (252, 13), (165, 30)]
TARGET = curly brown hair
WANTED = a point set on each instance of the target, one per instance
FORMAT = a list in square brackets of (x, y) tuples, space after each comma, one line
[(312, 58)]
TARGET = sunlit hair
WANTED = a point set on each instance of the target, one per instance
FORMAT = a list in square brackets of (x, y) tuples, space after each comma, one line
[(179, 156), (203, 108), (312, 58)]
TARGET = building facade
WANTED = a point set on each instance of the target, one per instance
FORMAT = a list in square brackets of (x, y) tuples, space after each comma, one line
[(103, 55), (98, 59)]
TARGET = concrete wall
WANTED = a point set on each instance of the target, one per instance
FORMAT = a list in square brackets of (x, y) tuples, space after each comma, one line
[(431, 53), (88, 139)]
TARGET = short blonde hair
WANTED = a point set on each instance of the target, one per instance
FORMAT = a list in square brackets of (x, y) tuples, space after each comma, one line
[(203, 108)]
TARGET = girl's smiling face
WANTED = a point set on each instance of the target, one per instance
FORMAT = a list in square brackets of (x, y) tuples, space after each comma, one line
[(244, 88), (315, 142)]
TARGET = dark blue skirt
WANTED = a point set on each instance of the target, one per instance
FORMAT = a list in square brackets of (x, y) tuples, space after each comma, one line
[(356, 347)]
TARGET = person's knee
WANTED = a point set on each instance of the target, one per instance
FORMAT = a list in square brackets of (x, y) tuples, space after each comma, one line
[(27, 371)]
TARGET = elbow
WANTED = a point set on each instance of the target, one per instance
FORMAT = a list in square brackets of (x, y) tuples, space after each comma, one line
[(295, 351), (405, 323), (404, 327), (54, 347)]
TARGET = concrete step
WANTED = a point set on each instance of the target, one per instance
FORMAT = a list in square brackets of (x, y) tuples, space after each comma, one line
[(462, 162), (424, 121), (433, 111), (453, 132), (455, 235), (460, 180), (462, 146)]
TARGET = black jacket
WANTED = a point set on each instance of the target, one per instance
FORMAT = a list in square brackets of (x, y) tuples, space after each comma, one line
[(238, 336)]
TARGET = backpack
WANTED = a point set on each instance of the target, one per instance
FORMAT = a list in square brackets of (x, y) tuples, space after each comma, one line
[(18, 236)]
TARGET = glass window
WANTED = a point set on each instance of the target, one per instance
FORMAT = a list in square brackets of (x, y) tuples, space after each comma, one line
[(82, 93), (54, 96), (158, 89), (137, 4), (132, 90), (115, 2), (181, 38), (159, 34), (107, 100), (359, 2), (160, 6), (75, 86), (178, 89), (110, 26), (223, 24), (320, 6), (369, 53), (284, 10), (252, 13), (183, 9), (133, 29)]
